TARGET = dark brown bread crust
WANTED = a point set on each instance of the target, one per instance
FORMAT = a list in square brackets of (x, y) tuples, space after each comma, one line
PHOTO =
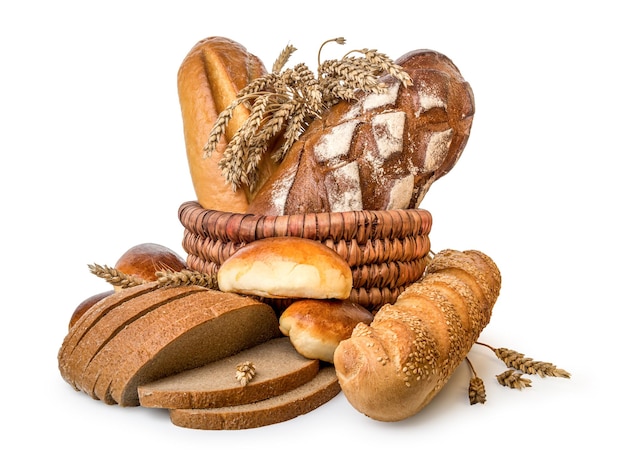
[(380, 152)]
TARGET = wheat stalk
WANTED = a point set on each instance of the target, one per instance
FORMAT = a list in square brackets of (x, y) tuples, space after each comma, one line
[(476, 390), (186, 278), (244, 373), (526, 365), (164, 278), (287, 101), (114, 276), (513, 379)]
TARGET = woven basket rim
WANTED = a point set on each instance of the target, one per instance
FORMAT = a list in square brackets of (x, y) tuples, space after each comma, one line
[(357, 225)]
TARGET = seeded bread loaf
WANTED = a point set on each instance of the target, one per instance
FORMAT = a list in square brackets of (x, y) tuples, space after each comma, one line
[(148, 333), (303, 399), (278, 368), (393, 368), (381, 152)]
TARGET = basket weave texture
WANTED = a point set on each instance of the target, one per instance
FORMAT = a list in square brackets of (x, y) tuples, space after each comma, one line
[(386, 250)]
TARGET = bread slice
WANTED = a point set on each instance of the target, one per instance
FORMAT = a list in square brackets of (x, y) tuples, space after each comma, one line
[(279, 369), (104, 321), (188, 332), (304, 399)]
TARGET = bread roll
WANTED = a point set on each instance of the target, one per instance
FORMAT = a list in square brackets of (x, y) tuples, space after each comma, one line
[(315, 326), (381, 152), (209, 78), (143, 261), (393, 368), (87, 304), (286, 267)]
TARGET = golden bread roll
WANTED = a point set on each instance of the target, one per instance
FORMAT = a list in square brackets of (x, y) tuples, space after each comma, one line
[(87, 304), (392, 368), (209, 78), (143, 261), (315, 326), (286, 267)]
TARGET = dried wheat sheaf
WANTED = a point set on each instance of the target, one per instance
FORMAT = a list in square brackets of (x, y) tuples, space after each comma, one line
[(283, 103)]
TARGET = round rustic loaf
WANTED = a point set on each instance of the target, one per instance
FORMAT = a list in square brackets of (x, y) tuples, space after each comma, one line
[(145, 260), (382, 151)]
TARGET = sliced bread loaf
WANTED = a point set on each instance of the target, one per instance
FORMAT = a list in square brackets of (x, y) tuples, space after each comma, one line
[(87, 321), (303, 399), (148, 332), (104, 321), (279, 368), (188, 332)]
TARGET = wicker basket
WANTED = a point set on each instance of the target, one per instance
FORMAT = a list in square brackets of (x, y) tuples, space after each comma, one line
[(386, 250)]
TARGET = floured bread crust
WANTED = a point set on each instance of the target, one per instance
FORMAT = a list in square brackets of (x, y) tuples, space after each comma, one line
[(382, 151)]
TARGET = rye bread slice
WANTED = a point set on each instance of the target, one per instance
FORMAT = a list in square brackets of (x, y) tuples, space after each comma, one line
[(188, 332), (279, 369), (89, 319), (304, 399), (108, 325)]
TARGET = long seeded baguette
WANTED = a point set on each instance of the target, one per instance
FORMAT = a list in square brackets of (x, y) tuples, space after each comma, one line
[(393, 368)]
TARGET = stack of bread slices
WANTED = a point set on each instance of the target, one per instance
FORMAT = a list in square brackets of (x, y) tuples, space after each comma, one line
[(181, 348)]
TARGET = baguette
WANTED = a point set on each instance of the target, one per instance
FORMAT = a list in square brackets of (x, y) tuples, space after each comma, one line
[(209, 78), (393, 368)]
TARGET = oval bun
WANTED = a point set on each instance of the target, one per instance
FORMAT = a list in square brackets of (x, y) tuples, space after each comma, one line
[(144, 260), (86, 305), (315, 327), (286, 267)]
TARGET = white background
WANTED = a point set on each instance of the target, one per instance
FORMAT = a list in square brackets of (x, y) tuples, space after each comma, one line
[(93, 162)]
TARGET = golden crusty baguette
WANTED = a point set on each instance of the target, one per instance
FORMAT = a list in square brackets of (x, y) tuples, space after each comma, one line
[(393, 368), (209, 78)]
